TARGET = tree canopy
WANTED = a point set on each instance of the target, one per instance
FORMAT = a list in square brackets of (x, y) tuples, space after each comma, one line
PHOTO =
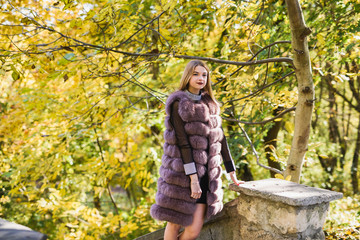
[(83, 87)]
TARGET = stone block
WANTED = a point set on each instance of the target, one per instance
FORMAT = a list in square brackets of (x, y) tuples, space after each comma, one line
[(279, 209), (268, 209), (14, 231)]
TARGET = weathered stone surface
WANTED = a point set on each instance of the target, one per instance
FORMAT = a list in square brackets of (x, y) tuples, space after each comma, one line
[(225, 225), (13, 231), (157, 235), (249, 231), (266, 210), (279, 209), (274, 218), (287, 192)]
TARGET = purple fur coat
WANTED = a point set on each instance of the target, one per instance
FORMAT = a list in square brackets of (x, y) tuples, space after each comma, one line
[(203, 127)]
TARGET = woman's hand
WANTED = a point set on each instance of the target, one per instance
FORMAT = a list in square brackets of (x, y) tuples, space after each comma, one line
[(234, 179), (195, 190), (195, 186)]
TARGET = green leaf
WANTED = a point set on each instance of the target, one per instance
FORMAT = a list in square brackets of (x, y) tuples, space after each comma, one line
[(15, 75)]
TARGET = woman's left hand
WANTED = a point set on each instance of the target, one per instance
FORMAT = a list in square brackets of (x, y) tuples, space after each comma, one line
[(234, 179)]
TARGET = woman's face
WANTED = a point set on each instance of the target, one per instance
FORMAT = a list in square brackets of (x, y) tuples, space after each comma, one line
[(198, 80)]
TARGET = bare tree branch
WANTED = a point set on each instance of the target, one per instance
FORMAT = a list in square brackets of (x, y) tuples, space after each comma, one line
[(344, 97), (262, 88), (254, 150), (94, 105), (258, 52), (255, 23), (262, 122), (107, 179), (113, 49), (351, 81), (152, 20), (280, 59)]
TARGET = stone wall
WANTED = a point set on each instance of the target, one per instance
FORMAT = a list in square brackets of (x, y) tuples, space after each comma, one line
[(266, 210), (14, 231), (278, 209)]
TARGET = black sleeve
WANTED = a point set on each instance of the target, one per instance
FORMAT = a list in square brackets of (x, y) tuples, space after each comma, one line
[(182, 139), (225, 152)]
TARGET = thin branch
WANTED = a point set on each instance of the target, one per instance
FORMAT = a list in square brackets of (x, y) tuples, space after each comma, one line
[(144, 87), (17, 25), (118, 110), (254, 151), (249, 63), (183, 20), (113, 201), (21, 33), (255, 23), (262, 122), (269, 46), (267, 67), (46, 44), (94, 105), (107, 179), (140, 84), (37, 23), (258, 52), (160, 36), (152, 20), (280, 59), (345, 98), (262, 88), (113, 49), (353, 89)]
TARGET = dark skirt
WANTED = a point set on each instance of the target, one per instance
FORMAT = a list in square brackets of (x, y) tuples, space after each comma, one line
[(204, 185)]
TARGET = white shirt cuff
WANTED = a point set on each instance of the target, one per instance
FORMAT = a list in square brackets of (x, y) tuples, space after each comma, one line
[(190, 168)]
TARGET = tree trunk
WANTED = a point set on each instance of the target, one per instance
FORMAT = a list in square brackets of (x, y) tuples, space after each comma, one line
[(243, 170), (245, 173), (334, 130), (334, 133), (355, 163), (97, 203), (271, 139), (305, 105)]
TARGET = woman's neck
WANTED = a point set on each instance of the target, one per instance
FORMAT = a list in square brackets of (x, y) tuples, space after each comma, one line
[(195, 97), (194, 90)]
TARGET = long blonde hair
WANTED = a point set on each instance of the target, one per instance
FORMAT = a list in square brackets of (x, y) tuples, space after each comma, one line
[(188, 72)]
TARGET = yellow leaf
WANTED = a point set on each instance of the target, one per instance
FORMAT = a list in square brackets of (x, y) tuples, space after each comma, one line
[(279, 176), (289, 126), (266, 36), (320, 38)]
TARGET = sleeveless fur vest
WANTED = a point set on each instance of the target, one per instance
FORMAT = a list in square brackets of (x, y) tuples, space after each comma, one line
[(203, 127)]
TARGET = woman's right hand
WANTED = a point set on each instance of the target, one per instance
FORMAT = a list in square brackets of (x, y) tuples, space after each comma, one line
[(195, 190), (195, 186)]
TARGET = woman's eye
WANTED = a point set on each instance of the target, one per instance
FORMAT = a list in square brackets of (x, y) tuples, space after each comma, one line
[(195, 74)]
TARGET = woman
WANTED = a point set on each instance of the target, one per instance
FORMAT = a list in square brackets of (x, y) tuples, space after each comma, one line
[(189, 187)]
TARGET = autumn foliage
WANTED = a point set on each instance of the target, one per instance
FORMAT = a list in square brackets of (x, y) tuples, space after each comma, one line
[(82, 93)]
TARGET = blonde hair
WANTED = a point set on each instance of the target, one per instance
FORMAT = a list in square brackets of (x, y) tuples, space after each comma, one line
[(188, 72)]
